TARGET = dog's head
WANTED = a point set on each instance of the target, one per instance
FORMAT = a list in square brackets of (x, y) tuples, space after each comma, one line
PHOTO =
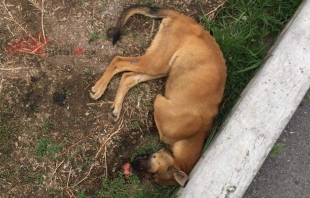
[(161, 167)]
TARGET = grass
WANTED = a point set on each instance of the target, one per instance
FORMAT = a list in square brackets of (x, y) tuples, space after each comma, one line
[(47, 125), (245, 31), (94, 36), (122, 187), (277, 148), (44, 146)]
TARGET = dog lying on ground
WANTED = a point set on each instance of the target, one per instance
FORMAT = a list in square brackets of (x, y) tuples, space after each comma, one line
[(194, 64)]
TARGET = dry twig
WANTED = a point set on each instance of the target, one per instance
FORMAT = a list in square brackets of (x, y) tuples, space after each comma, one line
[(92, 166), (79, 141), (110, 137), (57, 166), (35, 4), (210, 14), (42, 19), (152, 29), (17, 68)]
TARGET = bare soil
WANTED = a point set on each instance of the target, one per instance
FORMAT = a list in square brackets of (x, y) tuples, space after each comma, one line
[(50, 129)]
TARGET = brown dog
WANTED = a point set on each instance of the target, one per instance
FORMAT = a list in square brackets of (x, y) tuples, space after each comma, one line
[(194, 64)]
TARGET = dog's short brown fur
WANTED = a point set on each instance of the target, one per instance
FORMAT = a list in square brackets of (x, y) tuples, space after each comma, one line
[(194, 64)]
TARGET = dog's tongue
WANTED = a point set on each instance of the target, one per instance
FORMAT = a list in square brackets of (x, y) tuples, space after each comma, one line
[(126, 168)]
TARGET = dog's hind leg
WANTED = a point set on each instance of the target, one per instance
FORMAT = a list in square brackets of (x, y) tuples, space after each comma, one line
[(143, 64), (129, 79)]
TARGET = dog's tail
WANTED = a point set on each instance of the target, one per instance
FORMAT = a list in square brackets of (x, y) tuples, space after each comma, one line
[(153, 12)]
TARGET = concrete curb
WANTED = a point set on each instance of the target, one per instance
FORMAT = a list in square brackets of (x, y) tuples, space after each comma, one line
[(229, 165)]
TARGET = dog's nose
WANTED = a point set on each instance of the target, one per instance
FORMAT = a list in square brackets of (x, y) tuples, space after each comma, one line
[(140, 163)]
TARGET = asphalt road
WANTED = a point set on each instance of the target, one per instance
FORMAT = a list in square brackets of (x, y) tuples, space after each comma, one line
[(286, 174)]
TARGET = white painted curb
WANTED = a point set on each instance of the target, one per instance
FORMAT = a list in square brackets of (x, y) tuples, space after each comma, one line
[(229, 165)]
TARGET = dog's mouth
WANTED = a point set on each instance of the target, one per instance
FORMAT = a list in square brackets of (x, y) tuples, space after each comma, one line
[(139, 165), (127, 169)]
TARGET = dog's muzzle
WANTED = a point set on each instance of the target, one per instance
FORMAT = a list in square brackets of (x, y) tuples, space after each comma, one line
[(141, 164)]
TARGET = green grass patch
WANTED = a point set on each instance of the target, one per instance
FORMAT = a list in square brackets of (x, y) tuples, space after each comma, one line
[(94, 36), (47, 125), (277, 148), (245, 31), (123, 187), (45, 146)]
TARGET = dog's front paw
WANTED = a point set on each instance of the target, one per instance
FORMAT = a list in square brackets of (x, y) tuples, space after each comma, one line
[(96, 93), (115, 115)]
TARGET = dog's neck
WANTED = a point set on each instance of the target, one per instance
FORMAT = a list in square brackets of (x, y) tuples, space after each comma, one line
[(186, 160)]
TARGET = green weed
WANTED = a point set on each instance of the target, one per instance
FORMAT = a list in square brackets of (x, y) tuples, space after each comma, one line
[(44, 146), (81, 194), (88, 74), (94, 36), (277, 148), (47, 125), (149, 2), (135, 125)]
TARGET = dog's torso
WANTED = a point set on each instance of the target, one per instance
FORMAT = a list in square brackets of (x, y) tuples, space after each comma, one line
[(197, 72)]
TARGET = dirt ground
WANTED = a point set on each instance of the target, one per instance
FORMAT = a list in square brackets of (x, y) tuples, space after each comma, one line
[(54, 139)]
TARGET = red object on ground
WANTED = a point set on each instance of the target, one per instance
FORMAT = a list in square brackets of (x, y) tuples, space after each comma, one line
[(30, 44), (126, 168)]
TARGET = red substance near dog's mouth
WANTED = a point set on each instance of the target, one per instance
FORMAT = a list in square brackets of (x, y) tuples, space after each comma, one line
[(126, 168)]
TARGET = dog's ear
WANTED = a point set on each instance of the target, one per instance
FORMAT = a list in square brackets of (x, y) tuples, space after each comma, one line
[(180, 176)]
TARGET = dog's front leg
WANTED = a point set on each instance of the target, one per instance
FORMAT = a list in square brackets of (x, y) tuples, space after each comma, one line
[(129, 79), (117, 65)]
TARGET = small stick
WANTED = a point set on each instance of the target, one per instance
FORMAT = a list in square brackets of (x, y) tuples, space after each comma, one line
[(35, 4), (215, 9), (79, 141), (100, 103), (69, 176), (92, 166), (109, 138), (10, 30), (105, 161), (57, 166), (42, 19), (152, 29), (17, 68)]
